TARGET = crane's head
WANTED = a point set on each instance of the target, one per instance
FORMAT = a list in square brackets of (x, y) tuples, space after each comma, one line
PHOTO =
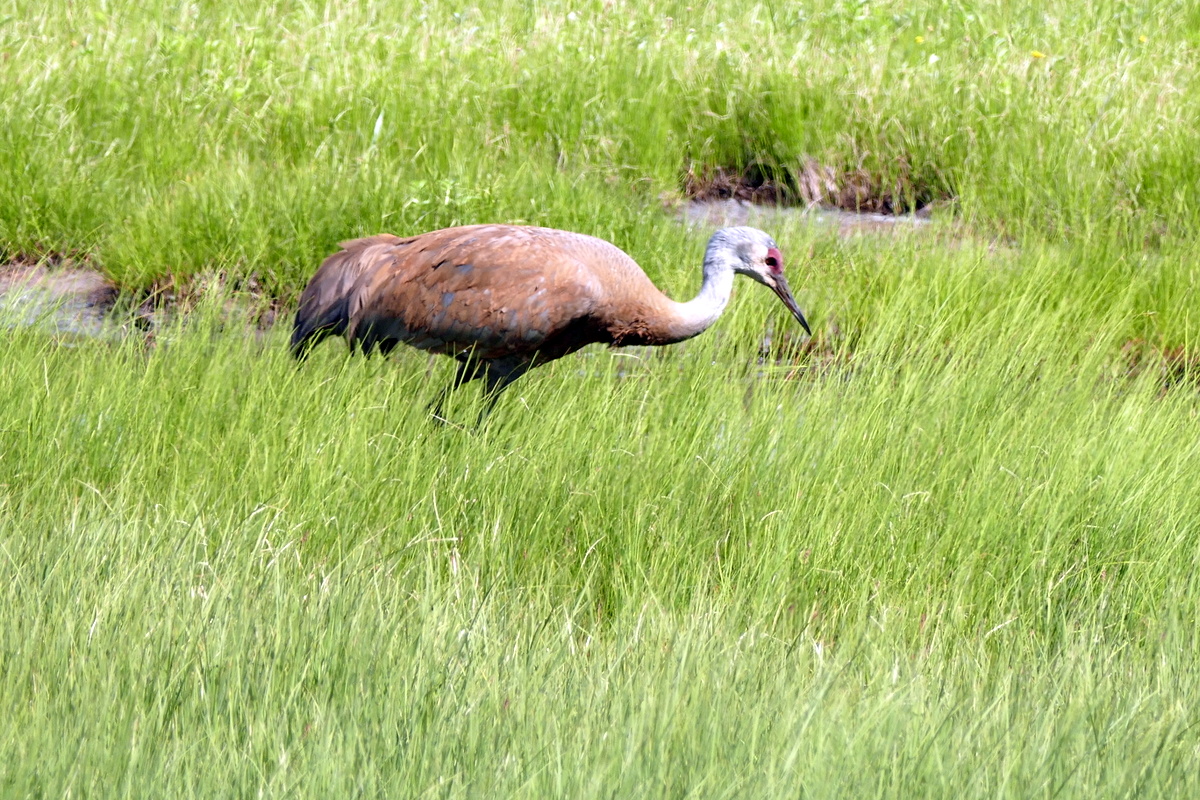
[(755, 254)]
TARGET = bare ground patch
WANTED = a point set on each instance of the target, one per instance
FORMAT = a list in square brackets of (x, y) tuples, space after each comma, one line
[(68, 295), (1172, 365), (811, 184)]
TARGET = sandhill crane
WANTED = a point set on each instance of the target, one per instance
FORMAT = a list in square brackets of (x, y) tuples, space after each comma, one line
[(500, 298)]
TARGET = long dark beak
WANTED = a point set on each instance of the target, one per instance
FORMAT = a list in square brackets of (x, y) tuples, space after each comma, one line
[(785, 294)]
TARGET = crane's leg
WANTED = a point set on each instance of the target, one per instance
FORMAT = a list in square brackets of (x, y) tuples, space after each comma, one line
[(367, 341), (499, 376), (468, 370)]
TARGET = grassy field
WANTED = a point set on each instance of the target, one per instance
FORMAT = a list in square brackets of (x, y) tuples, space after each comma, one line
[(949, 549)]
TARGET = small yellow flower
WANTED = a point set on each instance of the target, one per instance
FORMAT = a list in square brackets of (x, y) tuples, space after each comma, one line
[(920, 40), (1143, 38), (1038, 54)]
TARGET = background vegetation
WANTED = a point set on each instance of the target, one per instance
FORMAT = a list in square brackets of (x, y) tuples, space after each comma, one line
[(947, 547)]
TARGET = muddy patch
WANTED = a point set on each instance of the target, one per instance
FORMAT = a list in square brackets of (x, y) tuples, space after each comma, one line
[(720, 197), (70, 299), (1171, 365), (807, 183), (722, 213), (751, 185), (64, 299), (850, 201)]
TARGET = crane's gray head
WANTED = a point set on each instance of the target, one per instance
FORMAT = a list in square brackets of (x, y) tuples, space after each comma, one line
[(752, 252)]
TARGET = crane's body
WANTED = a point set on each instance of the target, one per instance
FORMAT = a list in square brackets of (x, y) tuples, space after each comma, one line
[(500, 298)]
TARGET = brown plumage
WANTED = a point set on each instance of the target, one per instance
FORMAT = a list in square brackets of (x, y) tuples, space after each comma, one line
[(500, 298)]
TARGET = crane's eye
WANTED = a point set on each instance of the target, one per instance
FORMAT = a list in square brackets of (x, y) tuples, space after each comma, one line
[(772, 262)]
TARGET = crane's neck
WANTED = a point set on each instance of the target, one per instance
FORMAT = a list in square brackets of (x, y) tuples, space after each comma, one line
[(696, 315)]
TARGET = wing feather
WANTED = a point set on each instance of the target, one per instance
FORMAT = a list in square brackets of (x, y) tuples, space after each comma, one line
[(325, 307), (493, 289), (497, 291)]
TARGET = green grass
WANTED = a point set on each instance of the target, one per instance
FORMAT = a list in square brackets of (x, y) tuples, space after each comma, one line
[(250, 137), (926, 569), (953, 552)]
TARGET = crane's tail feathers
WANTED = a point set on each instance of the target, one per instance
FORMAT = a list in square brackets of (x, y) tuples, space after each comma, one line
[(325, 304), (308, 333), (319, 316)]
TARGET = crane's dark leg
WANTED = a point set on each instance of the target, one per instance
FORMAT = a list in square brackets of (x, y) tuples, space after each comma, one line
[(468, 370), (499, 376), (370, 339)]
